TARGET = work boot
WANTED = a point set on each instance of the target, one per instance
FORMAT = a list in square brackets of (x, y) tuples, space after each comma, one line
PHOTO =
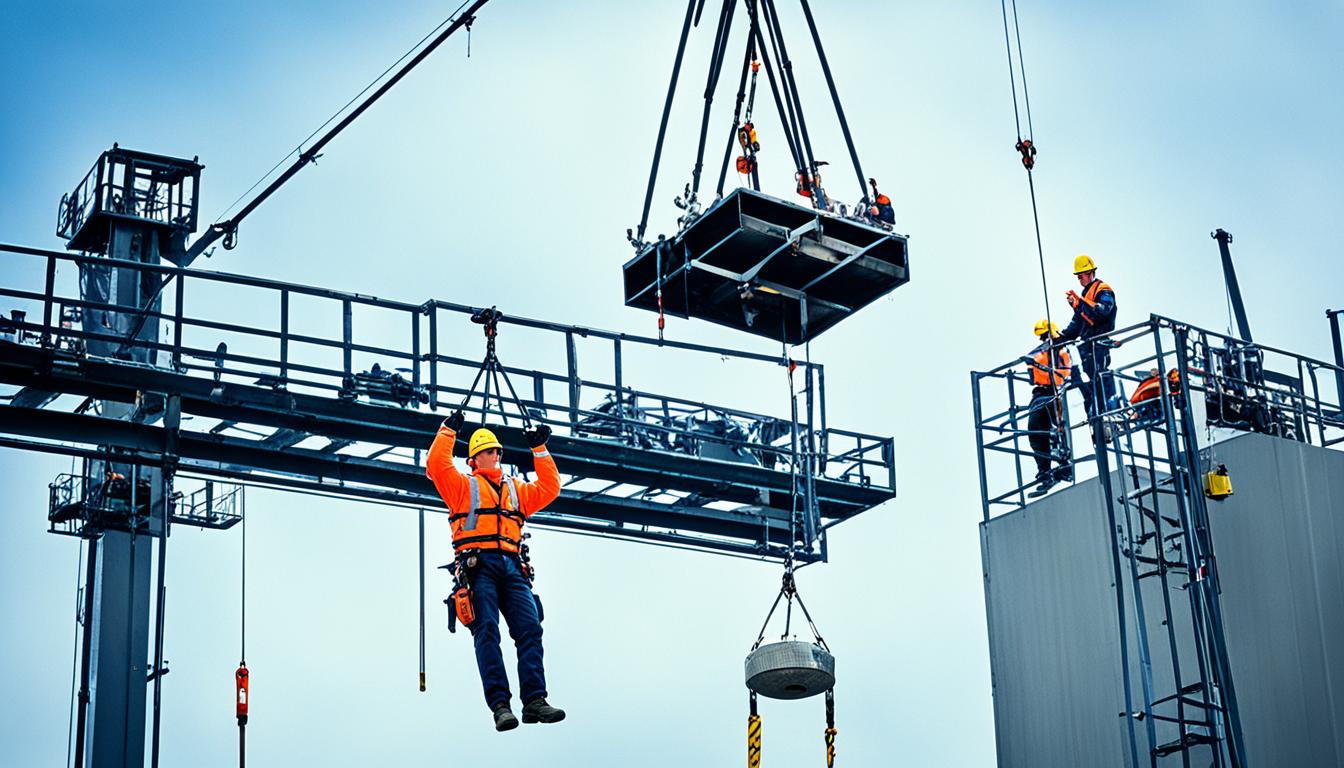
[(1064, 475), (538, 711), (504, 719), (1047, 482)]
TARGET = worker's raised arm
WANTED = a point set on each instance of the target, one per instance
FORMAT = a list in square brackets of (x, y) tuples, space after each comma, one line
[(439, 468), (534, 496)]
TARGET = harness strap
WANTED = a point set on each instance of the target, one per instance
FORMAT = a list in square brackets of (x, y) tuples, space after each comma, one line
[(494, 537), (474, 505), (508, 492), (498, 511)]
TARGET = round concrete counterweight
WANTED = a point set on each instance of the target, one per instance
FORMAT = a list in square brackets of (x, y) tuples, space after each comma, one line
[(790, 670)]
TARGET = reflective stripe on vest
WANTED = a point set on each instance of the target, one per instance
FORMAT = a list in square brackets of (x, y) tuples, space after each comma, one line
[(510, 497), (1090, 296)]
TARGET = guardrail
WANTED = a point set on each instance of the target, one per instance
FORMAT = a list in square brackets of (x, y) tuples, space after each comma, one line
[(295, 353), (1232, 385)]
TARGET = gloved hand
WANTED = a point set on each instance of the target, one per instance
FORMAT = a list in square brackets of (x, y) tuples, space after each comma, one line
[(537, 437), (455, 420), (1073, 299)]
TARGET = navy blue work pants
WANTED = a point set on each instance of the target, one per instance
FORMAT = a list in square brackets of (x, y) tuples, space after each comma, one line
[(499, 586), (1096, 360)]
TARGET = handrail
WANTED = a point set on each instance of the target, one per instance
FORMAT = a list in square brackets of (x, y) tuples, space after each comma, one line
[(1278, 389)]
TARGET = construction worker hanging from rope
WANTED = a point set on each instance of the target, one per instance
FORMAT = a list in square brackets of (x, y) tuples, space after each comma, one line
[(1045, 416), (487, 510), (1093, 317)]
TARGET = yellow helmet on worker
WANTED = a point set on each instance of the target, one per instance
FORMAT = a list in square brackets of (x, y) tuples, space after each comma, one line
[(482, 440), (1043, 325), (1083, 263)]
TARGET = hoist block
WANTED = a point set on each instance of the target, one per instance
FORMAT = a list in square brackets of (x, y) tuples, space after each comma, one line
[(791, 669), (768, 267)]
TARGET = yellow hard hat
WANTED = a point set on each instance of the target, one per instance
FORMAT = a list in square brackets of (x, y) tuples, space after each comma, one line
[(1083, 263), (1043, 324), (482, 439)]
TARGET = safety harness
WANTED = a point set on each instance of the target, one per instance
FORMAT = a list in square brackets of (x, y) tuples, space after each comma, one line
[(508, 490)]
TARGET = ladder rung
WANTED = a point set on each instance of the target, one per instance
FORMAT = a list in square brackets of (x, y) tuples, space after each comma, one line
[(1186, 741)]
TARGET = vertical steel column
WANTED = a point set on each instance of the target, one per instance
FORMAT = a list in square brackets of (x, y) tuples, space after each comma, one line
[(284, 337), (86, 651), (48, 296), (1333, 316), (172, 422), (179, 291), (812, 518), (979, 446), (572, 366), (620, 390), (347, 332), (415, 350), (433, 356)]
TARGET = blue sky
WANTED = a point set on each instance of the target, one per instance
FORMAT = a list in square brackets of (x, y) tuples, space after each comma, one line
[(509, 178)]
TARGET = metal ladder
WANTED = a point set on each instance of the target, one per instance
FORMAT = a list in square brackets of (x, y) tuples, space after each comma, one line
[(1162, 549)]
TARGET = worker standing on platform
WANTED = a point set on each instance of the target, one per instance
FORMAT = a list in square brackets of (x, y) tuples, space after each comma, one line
[(1093, 317), (1045, 415), (487, 510)]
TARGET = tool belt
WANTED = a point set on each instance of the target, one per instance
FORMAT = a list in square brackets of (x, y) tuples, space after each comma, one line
[(461, 602)]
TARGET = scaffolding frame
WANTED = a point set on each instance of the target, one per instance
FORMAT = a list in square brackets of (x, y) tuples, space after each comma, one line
[(1151, 460)]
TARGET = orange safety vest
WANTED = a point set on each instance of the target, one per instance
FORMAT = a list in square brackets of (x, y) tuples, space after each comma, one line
[(1042, 378), (495, 527), (1090, 296)]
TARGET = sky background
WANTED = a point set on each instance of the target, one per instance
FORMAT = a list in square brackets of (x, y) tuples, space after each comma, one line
[(509, 178)]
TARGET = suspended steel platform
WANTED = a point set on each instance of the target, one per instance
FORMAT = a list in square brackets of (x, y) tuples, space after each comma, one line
[(768, 267)]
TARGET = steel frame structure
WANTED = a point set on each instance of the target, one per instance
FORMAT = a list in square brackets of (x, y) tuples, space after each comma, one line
[(1151, 464), (635, 461)]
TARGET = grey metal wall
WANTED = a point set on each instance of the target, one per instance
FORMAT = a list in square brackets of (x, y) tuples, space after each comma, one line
[(1053, 632)]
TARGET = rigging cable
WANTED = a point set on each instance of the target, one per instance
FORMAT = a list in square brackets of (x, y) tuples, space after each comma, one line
[(1026, 146), (711, 84), (422, 586), (748, 60), (228, 229), (347, 104), (776, 91), (788, 86), (638, 236), (835, 97), (241, 676)]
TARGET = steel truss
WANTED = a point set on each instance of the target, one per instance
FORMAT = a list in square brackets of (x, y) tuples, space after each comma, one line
[(268, 406)]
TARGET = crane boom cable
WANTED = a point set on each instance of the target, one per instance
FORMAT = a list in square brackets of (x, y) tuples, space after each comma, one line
[(344, 107), (1028, 162), (220, 229)]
